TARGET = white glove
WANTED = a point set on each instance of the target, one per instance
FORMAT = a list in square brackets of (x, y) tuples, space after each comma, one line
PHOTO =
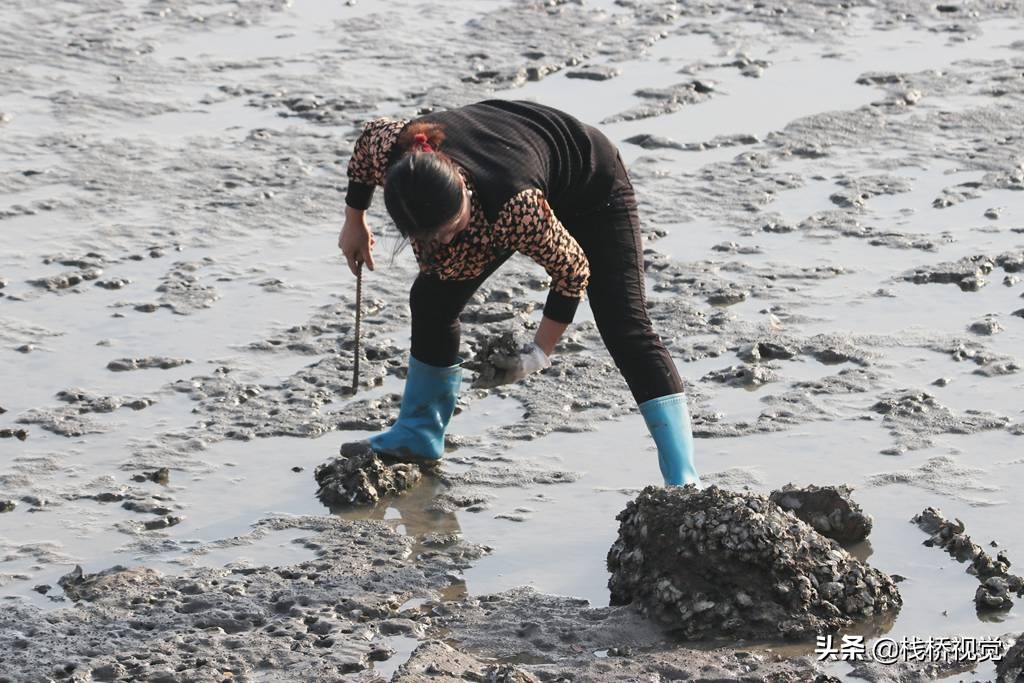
[(531, 359)]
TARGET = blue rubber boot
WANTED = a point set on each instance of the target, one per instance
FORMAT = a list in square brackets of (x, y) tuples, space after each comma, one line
[(427, 406), (668, 421)]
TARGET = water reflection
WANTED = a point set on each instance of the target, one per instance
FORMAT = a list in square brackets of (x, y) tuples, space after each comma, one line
[(416, 515)]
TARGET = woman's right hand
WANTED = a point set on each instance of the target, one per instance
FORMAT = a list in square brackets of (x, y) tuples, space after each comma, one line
[(356, 242)]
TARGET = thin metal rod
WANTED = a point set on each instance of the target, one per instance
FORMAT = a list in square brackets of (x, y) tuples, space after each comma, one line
[(359, 321)]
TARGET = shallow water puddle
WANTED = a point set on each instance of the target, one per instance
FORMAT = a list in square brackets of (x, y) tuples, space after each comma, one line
[(403, 647)]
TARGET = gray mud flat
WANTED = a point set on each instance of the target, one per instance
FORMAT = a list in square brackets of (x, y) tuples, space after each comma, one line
[(831, 205)]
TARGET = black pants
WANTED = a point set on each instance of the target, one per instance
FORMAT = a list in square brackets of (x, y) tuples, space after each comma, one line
[(610, 237)]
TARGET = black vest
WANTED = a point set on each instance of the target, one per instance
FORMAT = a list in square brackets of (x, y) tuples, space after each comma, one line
[(510, 146)]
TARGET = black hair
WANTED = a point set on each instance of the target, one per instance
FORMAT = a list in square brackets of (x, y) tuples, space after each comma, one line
[(422, 192)]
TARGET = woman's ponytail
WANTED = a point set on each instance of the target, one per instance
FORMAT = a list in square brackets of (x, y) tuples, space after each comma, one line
[(422, 189)]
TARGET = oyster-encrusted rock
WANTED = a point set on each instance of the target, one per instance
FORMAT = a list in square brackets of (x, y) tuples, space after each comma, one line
[(1011, 667), (713, 562), (362, 478), (829, 509), (997, 583)]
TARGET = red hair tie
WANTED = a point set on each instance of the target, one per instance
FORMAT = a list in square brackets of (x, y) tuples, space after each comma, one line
[(421, 140)]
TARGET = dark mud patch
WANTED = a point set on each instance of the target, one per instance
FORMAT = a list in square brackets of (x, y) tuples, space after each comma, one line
[(308, 621)]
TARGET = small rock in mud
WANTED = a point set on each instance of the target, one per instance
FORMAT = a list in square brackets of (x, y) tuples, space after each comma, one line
[(986, 326), (968, 273), (777, 227), (7, 505), (494, 355), (727, 296), (829, 509), (66, 280), (164, 363), (648, 141), (160, 476), (147, 507), (997, 583), (747, 376), (88, 402), (1011, 261), (362, 478), (736, 248), (713, 562), (598, 72), (162, 522), (998, 368), (19, 434), (766, 350), (114, 283), (34, 501)]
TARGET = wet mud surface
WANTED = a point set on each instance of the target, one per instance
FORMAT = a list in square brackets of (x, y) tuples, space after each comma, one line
[(832, 199)]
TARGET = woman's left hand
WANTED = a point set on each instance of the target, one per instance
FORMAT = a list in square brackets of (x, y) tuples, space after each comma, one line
[(530, 360)]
